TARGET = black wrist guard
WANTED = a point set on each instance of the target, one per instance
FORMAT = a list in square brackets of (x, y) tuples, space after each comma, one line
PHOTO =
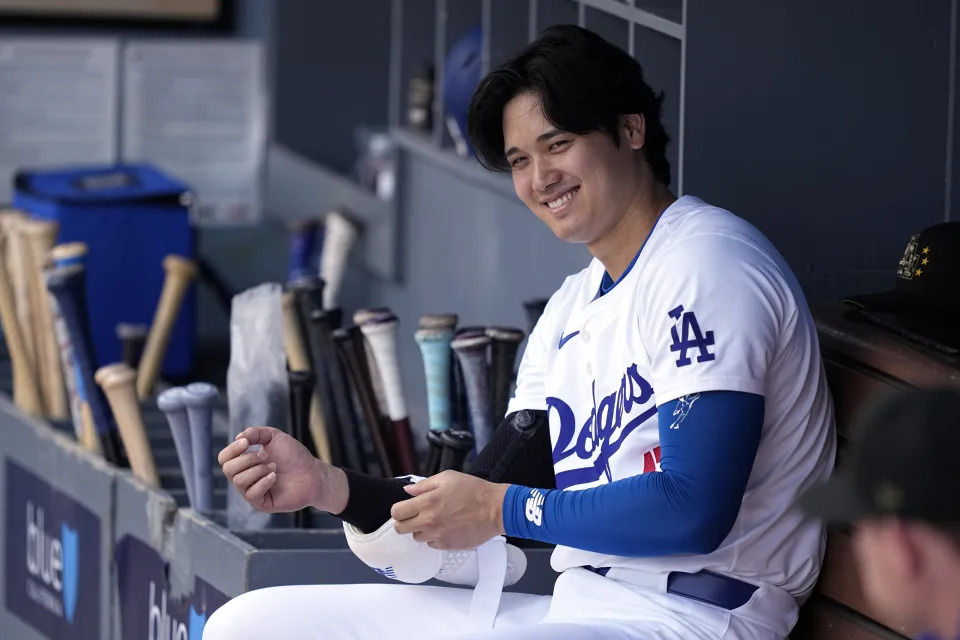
[(370, 500)]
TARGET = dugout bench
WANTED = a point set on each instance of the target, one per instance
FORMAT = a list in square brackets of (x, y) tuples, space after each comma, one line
[(863, 362)]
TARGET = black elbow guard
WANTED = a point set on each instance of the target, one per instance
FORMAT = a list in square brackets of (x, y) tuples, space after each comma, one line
[(520, 452)]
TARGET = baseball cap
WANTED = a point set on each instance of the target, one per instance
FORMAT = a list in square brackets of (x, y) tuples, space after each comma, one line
[(923, 305), (902, 463)]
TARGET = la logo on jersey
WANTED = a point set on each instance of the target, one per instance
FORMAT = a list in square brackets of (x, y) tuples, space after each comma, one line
[(693, 337), (534, 507)]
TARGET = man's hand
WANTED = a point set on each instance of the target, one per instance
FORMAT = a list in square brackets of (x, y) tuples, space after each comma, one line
[(451, 510), (282, 476)]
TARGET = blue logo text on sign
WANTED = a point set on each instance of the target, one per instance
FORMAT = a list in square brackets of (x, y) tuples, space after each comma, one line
[(52, 555)]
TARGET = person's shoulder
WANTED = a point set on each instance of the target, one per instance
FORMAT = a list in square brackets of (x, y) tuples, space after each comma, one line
[(574, 287), (697, 233)]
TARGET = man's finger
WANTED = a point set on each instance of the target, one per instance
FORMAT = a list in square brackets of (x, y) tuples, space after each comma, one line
[(240, 463), (255, 494), (232, 450), (246, 479), (419, 488), (406, 509), (258, 435)]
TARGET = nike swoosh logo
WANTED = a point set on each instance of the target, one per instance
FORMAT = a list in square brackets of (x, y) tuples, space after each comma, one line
[(564, 339)]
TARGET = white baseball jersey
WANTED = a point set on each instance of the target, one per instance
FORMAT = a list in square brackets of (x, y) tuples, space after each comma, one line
[(709, 304)]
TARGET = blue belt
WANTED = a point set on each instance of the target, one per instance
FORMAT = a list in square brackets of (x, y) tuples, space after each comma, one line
[(704, 586)]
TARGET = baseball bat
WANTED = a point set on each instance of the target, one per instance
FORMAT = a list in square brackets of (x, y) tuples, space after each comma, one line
[(26, 393), (434, 452), (303, 236), (505, 341), (132, 338), (180, 272), (323, 323), (298, 359), (63, 255), (66, 284), (360, 318), (301, 394), (533, 309), (172, 402), (471, 352), (339, 235), (40, 236), (439, 321), (435, 350), (17, 269), (461, 408), (307, 303), (382, 337), (199, 398), (350, 348), (117, 382), (456, 445)]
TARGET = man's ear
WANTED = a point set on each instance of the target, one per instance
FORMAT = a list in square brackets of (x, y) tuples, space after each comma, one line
[(909, 545), (635, 129)]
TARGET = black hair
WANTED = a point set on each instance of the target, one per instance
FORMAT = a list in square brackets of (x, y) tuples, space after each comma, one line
[(584, 84)]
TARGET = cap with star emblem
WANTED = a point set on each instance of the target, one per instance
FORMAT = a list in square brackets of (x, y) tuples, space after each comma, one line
[(923, 304), (902, 463)]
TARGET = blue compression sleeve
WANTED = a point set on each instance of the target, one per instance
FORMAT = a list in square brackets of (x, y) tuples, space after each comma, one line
[(689, 507)]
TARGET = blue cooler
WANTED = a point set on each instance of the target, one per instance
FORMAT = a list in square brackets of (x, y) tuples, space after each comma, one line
[(131, 216)]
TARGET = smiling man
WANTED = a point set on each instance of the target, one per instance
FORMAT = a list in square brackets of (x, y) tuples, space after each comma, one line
[(678, 383)]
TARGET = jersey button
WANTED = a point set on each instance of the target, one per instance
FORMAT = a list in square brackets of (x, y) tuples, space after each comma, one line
[(586, 336), (589, 369)]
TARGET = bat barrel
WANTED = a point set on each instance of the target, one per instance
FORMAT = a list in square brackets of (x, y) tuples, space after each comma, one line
[(172, 403), (199, 398), (503, 356), (66, 284), (472, 353), (132, 338), (456, 445), (534, 309), (64, 255)]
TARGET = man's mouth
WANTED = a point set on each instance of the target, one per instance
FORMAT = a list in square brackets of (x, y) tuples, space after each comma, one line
[(558, 203)]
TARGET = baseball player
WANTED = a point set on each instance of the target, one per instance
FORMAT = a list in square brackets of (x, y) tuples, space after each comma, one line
[(673, 386), (900, 491)]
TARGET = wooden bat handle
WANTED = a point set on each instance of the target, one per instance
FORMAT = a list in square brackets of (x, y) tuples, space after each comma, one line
[(11, 223), (293, 344), (298, 359), (26, 395), (180, 273), (117, 382), (41, 236)]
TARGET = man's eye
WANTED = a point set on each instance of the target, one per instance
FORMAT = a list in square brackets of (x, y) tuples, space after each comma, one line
[(516, 162), (559, 144)]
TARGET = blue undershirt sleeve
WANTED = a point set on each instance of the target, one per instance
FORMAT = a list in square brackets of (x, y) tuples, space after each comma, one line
[(708, 442)]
